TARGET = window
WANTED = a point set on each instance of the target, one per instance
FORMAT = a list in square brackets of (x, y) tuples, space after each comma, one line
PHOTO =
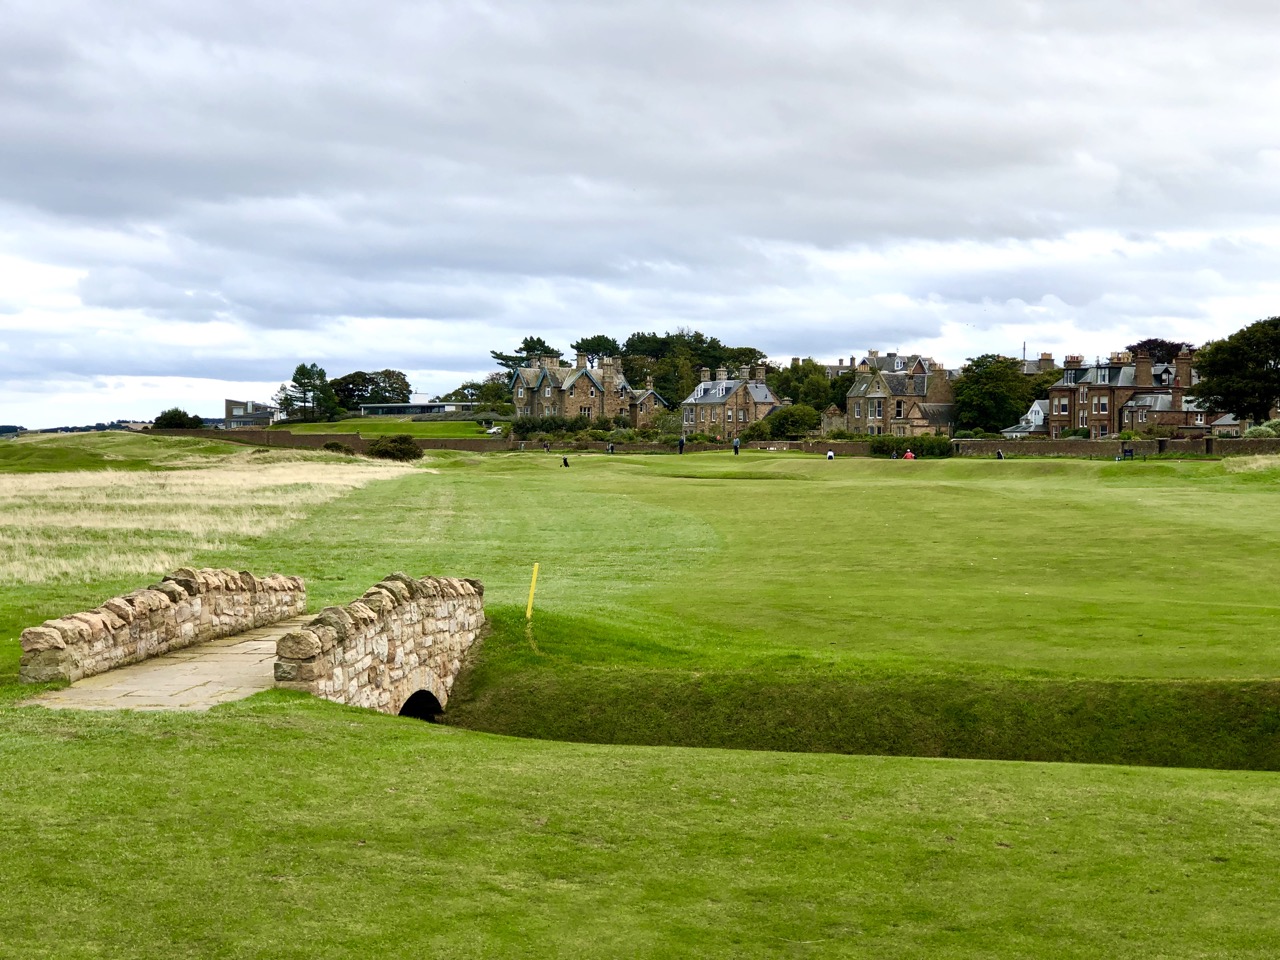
[(702, 414), (875, 409), (1200, 418), (520, 391), (875, 431), (899, 364), (897, 410), (1084, 394), (1102, 404), (713, 415), (1095, 404), (546, 391), (900, 431), (584, 411), (688, 415), (571, 389), (742, 416), (593, 391), (1102, 430), (1142, 416), (1082, 417), (857, 408)]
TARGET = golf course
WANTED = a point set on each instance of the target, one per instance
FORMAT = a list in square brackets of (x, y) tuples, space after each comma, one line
[(765, 706)]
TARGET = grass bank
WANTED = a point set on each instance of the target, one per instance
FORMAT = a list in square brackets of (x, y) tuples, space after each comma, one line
[(282, 827)]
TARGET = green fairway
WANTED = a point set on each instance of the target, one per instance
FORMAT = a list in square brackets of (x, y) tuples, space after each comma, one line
[(387, 426), (284, 828)]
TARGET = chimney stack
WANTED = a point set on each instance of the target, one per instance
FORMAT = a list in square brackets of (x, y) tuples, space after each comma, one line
[(722, 373), (705, 374), (1181, 378), (744, 372), (1046, 362), (1142, 369), (581, 361), (1073, 362), (648, 383), (759, 374)]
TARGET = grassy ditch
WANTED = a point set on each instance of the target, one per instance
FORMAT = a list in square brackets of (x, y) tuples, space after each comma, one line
[(1225, 724)]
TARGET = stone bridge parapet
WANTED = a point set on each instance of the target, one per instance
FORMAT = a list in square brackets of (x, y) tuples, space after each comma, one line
[(403, 636), (188, 606)]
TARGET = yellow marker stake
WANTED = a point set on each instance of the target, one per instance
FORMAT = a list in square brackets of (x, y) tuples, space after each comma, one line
[(528, 611)]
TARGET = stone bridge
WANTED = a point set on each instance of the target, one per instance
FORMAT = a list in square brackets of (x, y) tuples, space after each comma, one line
[(203, 637), (397, 649)]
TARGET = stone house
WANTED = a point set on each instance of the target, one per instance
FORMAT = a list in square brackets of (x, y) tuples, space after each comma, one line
[(903, 396), (1127, 392), (723, 406), (551, 388)]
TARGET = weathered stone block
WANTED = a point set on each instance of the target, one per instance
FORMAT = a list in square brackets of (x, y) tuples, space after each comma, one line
[(286, 670), (35, 639), (44, 666), (175, 592), (299, 645)]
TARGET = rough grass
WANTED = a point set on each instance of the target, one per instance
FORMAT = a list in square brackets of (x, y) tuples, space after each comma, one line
[(96, 524)]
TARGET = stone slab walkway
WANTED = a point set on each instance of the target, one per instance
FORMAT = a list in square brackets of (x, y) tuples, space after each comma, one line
[(194, 678)]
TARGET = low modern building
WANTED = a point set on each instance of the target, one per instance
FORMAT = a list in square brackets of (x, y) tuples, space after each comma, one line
[(249, 413), (419, 403)]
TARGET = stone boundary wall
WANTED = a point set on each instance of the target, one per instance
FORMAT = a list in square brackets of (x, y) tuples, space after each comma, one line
[(1109, 449), (186, 607), (314, 441), (1074, 447), (402, 636)]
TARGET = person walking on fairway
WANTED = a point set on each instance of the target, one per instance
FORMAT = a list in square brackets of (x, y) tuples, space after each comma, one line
[(564, 461), (736, 444), (680, 445)]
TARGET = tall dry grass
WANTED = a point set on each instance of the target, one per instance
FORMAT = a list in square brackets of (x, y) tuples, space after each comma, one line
[(95, 524)]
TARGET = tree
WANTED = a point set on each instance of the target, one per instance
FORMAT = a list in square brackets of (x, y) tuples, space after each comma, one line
[(390, 386), (175, 418), (354, 389), (1241, 374), (1158, 349), (530, 348), (992, 393), (308, 393), (793, 422), (597, 347)]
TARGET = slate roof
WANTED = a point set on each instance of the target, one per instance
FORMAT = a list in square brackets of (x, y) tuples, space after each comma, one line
[(708, 392), (898, 384), (640, 397), (1163, 402), (1119, 375), (937, 414)]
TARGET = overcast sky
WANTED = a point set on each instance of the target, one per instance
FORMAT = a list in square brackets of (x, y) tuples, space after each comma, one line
[(194, 198)]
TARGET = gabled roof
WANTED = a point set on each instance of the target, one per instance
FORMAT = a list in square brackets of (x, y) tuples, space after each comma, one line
[(1162, 401), (895, 384), (716, 392), (646, 393)]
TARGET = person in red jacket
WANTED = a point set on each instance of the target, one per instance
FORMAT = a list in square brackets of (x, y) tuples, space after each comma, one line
[(908, 455)]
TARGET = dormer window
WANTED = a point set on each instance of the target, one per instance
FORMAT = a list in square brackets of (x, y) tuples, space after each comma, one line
[(899, 364)]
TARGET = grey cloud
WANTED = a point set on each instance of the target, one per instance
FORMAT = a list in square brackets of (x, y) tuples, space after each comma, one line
[(570, 166)]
